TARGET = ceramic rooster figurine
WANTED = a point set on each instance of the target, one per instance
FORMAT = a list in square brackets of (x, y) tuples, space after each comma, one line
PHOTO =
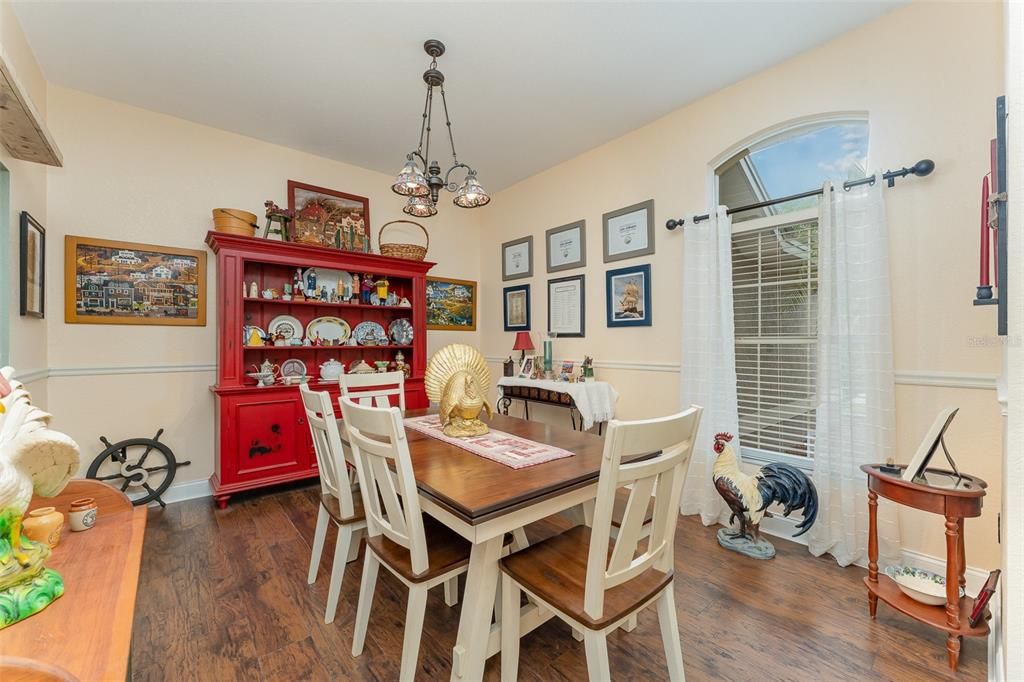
[(748, 496), (32, 459)]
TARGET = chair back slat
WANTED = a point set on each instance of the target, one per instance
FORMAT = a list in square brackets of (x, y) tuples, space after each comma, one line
[(384, 467), (330, 455), (374, 390), (662, 476)]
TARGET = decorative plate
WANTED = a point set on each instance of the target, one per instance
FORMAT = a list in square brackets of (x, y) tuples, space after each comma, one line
[(919, 584), (370, 333), (329, 328), (289, 327), (247, 330), (293, 367), (400, 331)]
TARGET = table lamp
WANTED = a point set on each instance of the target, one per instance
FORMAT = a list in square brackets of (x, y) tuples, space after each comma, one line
[(523, 343)]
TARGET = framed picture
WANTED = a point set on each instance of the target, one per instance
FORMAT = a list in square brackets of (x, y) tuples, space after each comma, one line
[(327, 217), (567, 368), (33, 267), (567, 246), (629, 232), (517, 259), (112, 282), (566, 312), (517, 308), (628, 296), (526, 368), (451, 304)]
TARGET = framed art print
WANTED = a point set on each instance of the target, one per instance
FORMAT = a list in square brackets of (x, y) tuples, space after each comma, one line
[(517, 259), (567, 246), (112, 282), (338, 219), (628, 296), (566, 311), (629, 232), (451, 304), (33, 267), (517, 308)]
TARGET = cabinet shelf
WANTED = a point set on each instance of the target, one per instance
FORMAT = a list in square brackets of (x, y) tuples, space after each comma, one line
[(322, 304), (308, 348)]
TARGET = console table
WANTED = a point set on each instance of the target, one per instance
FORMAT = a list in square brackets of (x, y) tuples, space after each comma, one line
[(953, 498), (593, 401)]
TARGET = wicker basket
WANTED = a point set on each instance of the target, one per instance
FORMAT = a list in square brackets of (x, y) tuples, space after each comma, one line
[(399, 250)]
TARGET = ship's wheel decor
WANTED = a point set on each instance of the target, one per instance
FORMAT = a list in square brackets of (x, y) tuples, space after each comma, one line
[(142, 468)]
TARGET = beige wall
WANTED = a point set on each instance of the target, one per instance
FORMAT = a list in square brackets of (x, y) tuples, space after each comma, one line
[(136, 175), (935, 100), (27, 335)]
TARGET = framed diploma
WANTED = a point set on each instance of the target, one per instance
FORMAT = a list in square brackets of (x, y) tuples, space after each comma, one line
[(517, 308), (629, 232), (565, 306), (567, 246), (517, 259)]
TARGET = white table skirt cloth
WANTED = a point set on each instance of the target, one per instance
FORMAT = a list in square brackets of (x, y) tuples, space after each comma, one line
[(595, 400)]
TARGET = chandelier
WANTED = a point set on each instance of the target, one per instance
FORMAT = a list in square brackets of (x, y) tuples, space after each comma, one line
[(421, 181)]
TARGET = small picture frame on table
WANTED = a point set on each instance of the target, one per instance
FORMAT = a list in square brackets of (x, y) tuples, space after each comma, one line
[(629, 232), (526, 368), (517, 259), (567, 369), (567, 246), (628, 296), (517, 308), (33, 267)]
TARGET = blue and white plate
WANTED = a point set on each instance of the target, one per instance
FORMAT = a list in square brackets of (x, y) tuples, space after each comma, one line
[(370, 333)]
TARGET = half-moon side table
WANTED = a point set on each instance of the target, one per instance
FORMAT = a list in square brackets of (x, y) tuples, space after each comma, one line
[(953, 499)]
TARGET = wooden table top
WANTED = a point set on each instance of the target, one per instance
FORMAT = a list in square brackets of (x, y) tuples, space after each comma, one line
[(476, 489), (88, 631)]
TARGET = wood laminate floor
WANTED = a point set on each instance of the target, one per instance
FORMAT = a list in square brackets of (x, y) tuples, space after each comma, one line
[(223, 596)]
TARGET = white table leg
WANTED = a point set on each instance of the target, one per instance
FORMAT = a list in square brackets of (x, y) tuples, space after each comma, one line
[(470, 650)]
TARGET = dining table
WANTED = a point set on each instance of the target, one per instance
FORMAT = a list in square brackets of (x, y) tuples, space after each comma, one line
[(483, 500)]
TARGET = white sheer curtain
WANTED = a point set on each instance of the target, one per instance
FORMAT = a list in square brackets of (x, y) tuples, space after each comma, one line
[(855, 412), (708, 371)]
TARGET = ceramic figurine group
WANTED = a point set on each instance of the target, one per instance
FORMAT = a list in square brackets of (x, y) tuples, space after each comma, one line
[(363, 289)]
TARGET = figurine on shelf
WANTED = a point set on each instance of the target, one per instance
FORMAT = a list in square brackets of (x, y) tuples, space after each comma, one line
[(323, 292), (382, 290), (298, 285), (311, 281), (404, 303), (355, 286), (339, 292), (365, 289), (254, 338), (317, 341), (287, 296), (254, 290), (281, 216)]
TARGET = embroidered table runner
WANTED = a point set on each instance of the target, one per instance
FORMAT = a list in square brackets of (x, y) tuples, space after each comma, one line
[(497, 446)]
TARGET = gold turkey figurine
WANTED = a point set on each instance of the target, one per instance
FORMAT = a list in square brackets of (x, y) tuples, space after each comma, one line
[(457, 377)]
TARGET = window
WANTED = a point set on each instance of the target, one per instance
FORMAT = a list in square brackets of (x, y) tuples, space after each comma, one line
[(775, 279)]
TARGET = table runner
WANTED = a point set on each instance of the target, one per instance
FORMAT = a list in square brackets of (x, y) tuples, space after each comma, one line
[(497, 446), (595, 400)]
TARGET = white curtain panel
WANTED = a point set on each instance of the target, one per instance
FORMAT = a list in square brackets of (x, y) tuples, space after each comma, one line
[(855, 404), (708, 369)]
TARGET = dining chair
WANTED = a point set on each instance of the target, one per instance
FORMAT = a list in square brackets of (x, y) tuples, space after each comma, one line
[(418, 550), (374, 390), (337, 503), (593, 583)]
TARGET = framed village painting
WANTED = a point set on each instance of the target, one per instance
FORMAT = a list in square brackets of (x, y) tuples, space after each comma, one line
[(113, 282), (451, 304), (33, 266), (327, 217), (628, 296)]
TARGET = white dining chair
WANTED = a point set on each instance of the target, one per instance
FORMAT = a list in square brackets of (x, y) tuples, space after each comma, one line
[(374, 390), (418, 550), (593, 583), (337, 502)]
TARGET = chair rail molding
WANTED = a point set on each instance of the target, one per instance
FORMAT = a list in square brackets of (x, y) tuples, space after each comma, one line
[(30, 375)]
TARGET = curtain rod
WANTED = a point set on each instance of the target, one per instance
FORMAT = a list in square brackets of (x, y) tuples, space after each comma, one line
[(921, 168)]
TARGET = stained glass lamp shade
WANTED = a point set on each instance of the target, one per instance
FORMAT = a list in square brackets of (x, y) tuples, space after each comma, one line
[(420, 207), (471, 194), (411, 182)]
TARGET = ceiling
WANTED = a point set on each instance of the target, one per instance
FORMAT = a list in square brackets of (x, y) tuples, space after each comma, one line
[(529, 84)]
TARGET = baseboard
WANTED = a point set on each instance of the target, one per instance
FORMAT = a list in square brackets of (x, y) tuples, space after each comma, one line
[(190, 490)]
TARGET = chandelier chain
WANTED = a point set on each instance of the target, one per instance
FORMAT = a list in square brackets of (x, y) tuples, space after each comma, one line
[(430, 116), (423, 123), (448, 122)]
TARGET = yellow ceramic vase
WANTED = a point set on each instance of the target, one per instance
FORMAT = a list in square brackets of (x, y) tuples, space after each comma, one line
[(43, 526)]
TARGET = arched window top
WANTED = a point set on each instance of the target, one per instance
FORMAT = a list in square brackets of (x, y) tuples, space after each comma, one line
[(795, 160)]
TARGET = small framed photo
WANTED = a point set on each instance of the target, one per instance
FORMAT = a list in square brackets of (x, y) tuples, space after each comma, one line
[(566, 311), (567, 246), (567, 369), (517, 259), (629, 232), (517, 308), (526, 368), (33, 267), (628, 296)]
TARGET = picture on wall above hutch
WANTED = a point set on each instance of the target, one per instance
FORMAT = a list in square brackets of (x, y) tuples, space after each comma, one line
[(114, 282), (328, 217), (289, 314), (451, 304)]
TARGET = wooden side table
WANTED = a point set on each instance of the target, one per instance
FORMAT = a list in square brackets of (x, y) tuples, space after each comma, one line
[(953, 500)]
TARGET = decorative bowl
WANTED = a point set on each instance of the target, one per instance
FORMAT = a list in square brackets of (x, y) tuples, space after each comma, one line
[(919, 584)]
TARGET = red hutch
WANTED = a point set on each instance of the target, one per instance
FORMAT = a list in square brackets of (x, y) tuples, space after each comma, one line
[(262, 437)]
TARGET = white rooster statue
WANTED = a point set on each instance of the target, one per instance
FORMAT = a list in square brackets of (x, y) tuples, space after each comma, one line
[(749, 496), (32, 458)]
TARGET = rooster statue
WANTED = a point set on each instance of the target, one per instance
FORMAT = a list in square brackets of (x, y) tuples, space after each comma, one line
[(748, 496), (32, 459)]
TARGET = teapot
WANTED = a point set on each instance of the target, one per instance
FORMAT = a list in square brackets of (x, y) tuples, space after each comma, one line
[(331, 370)]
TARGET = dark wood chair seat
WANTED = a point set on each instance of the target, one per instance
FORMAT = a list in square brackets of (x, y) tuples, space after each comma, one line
[(333, 507), (556, 571)]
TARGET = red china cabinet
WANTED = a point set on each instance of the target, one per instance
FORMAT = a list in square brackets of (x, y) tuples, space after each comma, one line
[(261, 434)]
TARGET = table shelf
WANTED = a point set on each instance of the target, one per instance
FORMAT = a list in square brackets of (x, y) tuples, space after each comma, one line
[(888, 591)]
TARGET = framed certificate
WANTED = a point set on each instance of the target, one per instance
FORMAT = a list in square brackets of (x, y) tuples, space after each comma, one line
[(517, 308), (566, 313), (629, 232), (517, 259), (567, 246)]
